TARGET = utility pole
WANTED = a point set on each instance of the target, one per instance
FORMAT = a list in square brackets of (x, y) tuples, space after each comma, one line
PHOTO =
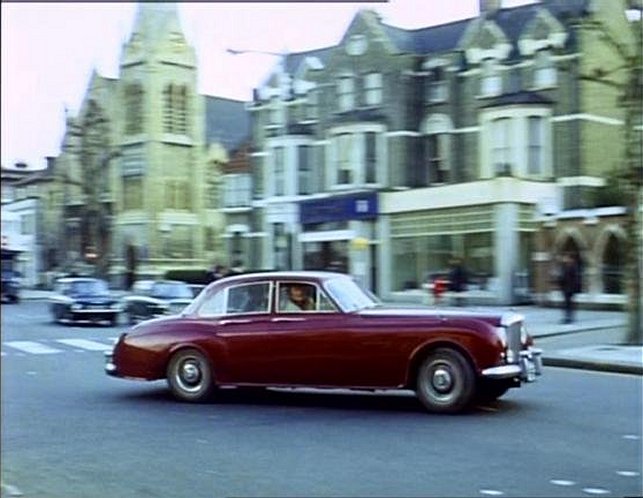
[(630, 89)]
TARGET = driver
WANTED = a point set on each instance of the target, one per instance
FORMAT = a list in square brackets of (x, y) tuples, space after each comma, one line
[(299, 298)]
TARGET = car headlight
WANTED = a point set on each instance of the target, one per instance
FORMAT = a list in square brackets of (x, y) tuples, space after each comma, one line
[(76, 307), (502, 335)]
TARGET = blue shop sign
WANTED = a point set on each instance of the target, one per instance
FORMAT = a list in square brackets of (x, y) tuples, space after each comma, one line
[(340, 208)]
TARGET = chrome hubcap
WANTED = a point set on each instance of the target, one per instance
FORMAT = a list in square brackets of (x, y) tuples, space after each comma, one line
[(189, 375), (442, 379)]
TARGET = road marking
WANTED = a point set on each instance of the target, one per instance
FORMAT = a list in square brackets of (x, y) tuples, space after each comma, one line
[(633, 437), (32, 347), (562, 482), (491, 492), (11, 490), (628, 473), (596, 491), (85, 344)]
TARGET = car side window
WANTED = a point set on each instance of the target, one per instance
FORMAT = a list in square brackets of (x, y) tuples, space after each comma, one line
[(249, 298), (214, 304), (296, 297)]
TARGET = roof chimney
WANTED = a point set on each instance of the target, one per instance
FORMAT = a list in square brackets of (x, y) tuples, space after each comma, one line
[(489, 6)]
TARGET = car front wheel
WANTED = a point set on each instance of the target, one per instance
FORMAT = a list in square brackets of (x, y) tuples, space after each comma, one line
[(189, 376), (445, 381)]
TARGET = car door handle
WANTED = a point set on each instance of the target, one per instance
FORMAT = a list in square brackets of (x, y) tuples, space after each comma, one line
[(288, 319)]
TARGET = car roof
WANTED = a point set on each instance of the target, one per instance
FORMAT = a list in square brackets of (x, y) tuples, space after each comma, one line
[(66, 280), (285, 275)]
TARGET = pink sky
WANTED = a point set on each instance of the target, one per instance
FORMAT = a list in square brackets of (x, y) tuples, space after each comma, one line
[(49, 50)]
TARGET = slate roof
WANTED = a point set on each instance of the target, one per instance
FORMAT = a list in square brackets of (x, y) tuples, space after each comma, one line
[(227, 122), (512, 21), (443, 38)]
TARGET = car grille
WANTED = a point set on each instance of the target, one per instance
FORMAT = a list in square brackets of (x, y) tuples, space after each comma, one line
[(513, 340)]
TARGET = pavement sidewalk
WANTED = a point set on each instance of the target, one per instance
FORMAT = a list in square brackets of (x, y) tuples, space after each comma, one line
[(595, 341)]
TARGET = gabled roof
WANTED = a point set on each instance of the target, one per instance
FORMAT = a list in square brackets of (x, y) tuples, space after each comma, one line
[(227, 122), (512, 21)]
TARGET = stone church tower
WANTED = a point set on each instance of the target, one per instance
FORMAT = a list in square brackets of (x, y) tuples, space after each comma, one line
[(160, 129), (132, 174)]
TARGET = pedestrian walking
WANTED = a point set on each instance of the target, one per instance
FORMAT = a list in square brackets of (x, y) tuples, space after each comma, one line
[(237, 268), (458, 279), (570, 284)]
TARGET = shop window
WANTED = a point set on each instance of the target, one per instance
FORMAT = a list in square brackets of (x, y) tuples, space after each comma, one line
[(613, 269)]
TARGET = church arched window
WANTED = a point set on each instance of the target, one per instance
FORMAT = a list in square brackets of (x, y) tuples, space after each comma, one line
[(175, 109), (133, 109)]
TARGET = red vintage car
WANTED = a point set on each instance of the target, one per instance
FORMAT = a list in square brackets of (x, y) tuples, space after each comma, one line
[(321, 329)]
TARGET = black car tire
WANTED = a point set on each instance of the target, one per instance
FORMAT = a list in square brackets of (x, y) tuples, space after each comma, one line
[(445, 381), (189, 376), (57, 314)]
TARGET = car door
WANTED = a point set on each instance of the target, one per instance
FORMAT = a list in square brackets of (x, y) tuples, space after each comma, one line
[(240, 318)]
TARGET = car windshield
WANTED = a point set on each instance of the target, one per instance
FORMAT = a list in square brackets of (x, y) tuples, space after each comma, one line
[(90, 287), (350, 296), (171, 289)]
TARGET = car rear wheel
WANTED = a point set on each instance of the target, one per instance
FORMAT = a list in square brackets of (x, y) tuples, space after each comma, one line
[(189, 376), (445, 381)]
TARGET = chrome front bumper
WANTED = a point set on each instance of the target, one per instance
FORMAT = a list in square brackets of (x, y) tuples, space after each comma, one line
[(529, 366), (110, 368)]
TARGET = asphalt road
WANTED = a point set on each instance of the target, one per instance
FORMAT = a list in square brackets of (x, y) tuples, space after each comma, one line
[(68, 430)]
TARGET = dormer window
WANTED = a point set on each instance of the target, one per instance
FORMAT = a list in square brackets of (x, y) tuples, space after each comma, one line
[(545, 75), (346, 93), (490, 79), (373, 89), (356, 45), (436, 89)]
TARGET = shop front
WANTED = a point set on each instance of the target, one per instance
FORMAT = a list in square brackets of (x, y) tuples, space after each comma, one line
[(339, 234)]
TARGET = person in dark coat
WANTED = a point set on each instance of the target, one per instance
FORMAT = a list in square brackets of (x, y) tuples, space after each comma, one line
[(458, 280), (570, 284)]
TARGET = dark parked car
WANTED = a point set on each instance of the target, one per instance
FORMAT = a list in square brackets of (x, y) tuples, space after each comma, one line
[(83, 298), (10, 286), (162, 297), (320, 329)]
